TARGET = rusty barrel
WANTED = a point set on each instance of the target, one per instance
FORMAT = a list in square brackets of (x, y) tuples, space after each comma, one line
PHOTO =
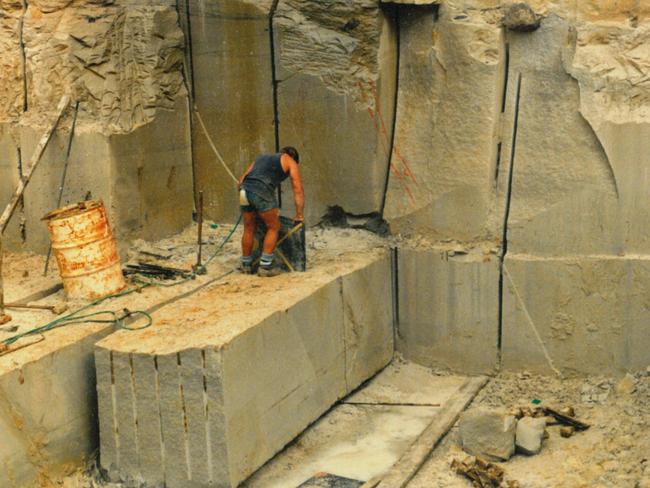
[(85, 250)]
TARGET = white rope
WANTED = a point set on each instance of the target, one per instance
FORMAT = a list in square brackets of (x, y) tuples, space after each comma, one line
[(530, 321), (214, 148)]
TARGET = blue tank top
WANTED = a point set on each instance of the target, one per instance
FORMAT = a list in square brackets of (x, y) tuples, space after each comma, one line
[(266, 175)]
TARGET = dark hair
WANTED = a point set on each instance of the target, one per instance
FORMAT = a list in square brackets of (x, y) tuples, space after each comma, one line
[(291, 151)]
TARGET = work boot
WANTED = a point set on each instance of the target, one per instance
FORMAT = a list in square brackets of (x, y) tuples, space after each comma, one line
[(246, 265), (268, 271)]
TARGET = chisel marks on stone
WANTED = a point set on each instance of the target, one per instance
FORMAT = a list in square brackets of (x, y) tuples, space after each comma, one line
[(216, 420), (193, 395), (126, 416), (159, 412), (171, 409), (108, 435), (148, 421)]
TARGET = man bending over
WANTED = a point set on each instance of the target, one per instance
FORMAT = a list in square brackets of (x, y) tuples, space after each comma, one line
[(257, 196)]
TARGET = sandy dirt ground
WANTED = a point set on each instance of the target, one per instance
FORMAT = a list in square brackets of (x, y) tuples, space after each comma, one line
[(614, 452)]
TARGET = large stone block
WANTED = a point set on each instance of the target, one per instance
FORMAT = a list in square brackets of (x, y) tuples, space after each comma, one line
[(336, 70), (564, 197), (442, 178), (144, 181), (48, 417), (228, 384), (368, 321), (488, 434), (232, 78), (448, 309), (583, 314)]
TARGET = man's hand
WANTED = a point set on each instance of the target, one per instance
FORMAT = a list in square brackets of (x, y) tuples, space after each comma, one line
[(298, 219)]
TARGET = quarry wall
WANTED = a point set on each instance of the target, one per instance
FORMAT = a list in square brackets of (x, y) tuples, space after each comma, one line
[(122, 61), (505, 144)]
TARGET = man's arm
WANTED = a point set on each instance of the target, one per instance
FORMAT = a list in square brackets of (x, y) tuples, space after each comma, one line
[(298, 190), (241, 180)]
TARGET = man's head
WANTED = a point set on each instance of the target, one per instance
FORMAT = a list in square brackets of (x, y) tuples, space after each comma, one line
[(291, 151)]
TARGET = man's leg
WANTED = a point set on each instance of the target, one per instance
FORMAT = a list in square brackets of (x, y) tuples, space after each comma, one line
[(247, 240), (271, 219)]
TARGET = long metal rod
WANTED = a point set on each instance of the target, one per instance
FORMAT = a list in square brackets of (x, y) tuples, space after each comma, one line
[(63, 176), (200, 231)]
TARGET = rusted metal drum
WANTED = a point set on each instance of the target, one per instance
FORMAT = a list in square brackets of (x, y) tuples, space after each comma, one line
[(85, 250)]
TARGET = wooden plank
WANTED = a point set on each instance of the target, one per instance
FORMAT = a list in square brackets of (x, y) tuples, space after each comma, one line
[(36, 157), (412, 460)]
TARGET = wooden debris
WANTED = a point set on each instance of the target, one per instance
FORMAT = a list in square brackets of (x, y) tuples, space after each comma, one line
[(567, 431), (568, 411), (482, 473)]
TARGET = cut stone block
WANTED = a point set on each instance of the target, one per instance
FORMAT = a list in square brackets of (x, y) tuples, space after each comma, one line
[(47, 406), (368, 321), (144, 181), (488, 434), (233, 88), (448, 118), (590, 313), (240, 375), (448, 309), (336, 62)]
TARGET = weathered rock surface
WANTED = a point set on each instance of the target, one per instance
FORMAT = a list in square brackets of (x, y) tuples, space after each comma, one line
[(335, 64), (233, 92), (520, 17), (122, 61), (529, 435), (488, 434), (445, 156)]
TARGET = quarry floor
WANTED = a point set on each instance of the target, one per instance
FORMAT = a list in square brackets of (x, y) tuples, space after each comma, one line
[(365, 433), (356, 440), (612, 453)]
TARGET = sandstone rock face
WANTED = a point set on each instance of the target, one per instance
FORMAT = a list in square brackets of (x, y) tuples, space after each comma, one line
[(444, 160), (122, 61), (233, 92), (488, 434), (335, 65), (520, 17), (532, 141)]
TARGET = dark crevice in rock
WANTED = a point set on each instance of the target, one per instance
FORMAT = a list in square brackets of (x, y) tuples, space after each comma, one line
[(395, 292), (23, 55), (275, 82), (393, 130), (506, 213), (185, 24), (504, 92), (21, 202)]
